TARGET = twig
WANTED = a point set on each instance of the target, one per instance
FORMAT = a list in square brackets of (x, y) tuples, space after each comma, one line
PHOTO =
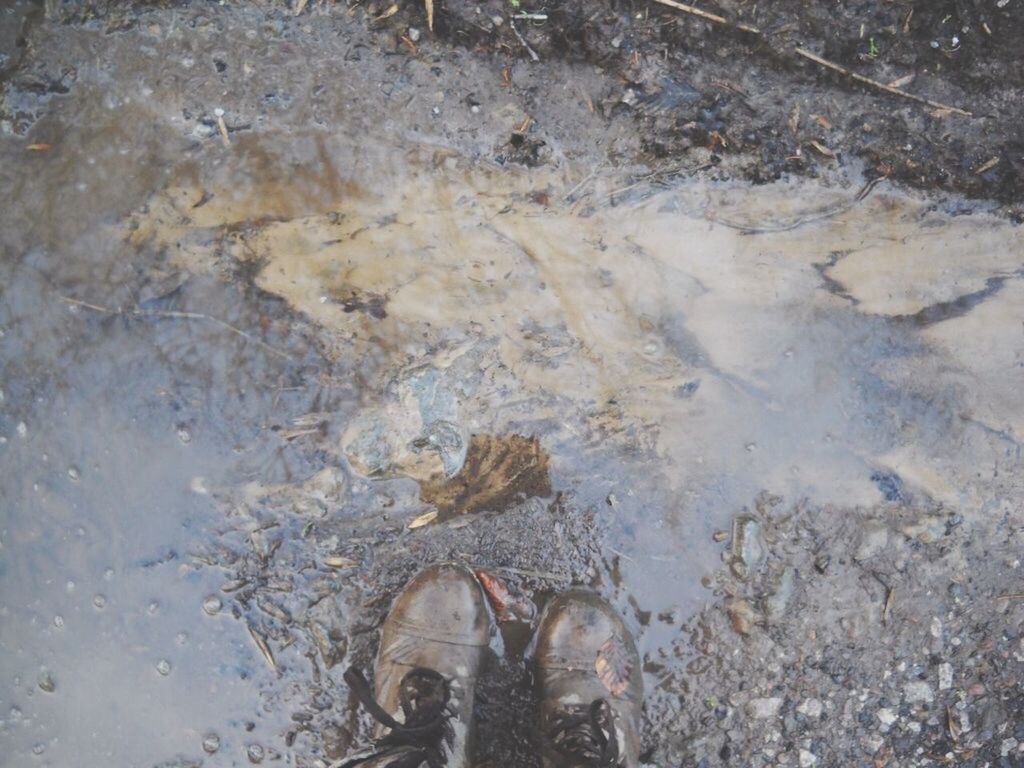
[(875, 83), (171, 314), (1012, 596), (813, 57), (532, 16), (526, 45)]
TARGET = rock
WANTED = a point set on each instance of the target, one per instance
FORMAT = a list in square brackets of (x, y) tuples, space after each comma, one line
[(416, 432), (945, 676), (810, 708), (807, 759), (886, 717), (873, 540), (741, 615), (926, 530), (775, 604), (918, 692), (765, 708), (747, 548)]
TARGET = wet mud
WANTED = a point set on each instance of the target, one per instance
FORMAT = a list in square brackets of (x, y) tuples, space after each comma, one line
[(254, 377)]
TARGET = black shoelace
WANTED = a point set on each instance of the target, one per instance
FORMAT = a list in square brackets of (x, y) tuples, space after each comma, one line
[(424, 696), (587, 737)]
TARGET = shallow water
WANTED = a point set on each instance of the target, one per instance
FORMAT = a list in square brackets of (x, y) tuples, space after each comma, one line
[(189, 338)]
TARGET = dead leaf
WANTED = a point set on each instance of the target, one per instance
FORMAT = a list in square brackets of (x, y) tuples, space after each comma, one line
[(987, 166), (953, 724), (41, 147), (901, 81), (340, 562), (391, 11), (425, 519), (823, 121), (614, 666), (890, 597), (430, 14), (300, 6), (507, 607), (822, 149), (261, 643), (794, 119), (498, 471)]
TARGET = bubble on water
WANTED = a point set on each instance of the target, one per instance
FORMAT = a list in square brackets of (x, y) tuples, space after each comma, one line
[(38, 748), (74, 473), (22, 429), (15, 714), (80, 531), (211, 743), (99, 600), (153, 608), (163, 667), (198, 485), (212, 605), (58, 621), (255, 753), (46, 682), (181, 638), (70, 586), (108, 574), (184, 434)]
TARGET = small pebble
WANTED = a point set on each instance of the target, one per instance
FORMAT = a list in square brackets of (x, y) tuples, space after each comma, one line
[(211, 743), (414, 34), (212, 605), (74, 474), (58, 621), (22, 429), (46, 683), (39, 748), (99, 601), (184, 434), (163, 667), (255, 753), (153, 608)]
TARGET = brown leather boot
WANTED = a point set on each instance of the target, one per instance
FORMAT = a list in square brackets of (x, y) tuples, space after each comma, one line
[(587, 720), (431, 650)]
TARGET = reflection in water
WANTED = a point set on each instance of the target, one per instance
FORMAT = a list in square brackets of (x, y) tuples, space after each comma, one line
[(261, 328)]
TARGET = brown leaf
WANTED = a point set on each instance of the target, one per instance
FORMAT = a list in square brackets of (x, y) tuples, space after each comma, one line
[(499, 470), (953, 724), (430, 14), (425, 519), (614, 666), (901, 81), (741, 615), (41, 147), (507, 607), (822, 149)]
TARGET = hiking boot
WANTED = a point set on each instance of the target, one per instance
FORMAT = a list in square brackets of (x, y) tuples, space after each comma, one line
[(587, 719), (432, 647)]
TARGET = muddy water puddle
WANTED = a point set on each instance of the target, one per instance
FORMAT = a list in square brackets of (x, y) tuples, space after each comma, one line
[(225, 402)]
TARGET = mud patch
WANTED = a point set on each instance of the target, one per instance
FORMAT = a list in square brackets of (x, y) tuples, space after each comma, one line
[(499, 471)]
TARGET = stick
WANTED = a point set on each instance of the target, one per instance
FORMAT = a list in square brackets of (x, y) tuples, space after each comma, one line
[(881, 86), (813, 57), (136, 312), (526, 45)]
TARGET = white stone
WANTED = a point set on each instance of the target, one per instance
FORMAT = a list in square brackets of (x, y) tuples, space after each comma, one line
[(886, 717), (762, 709), (807, 759), (918, 691), (945, 676), (810, 708)]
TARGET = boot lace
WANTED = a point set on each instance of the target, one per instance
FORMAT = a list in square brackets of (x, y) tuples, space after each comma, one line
[(424, 696), (587, 737)]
